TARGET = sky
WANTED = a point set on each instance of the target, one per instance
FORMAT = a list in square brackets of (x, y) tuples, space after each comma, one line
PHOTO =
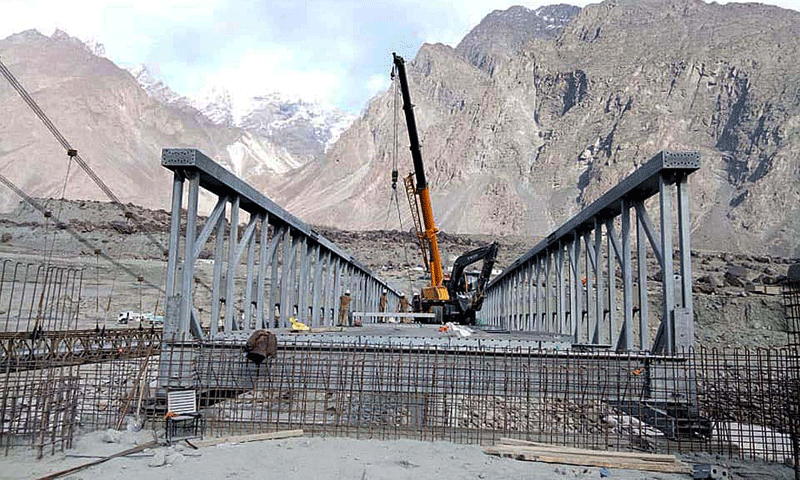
[(337, 52)]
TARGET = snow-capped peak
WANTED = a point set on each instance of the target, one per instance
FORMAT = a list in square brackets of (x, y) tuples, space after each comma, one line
[(275, 113), (308, 126), (216, 104), (155, 87)]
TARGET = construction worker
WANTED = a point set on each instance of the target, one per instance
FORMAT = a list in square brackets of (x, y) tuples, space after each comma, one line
[(382, 303), (402, 307), (344, 309)]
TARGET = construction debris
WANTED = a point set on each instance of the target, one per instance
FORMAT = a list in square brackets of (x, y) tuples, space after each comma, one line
[(540, 452), (123, 453), (250, 438)]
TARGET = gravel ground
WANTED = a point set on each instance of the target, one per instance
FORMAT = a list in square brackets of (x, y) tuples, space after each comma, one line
[(324, 458)]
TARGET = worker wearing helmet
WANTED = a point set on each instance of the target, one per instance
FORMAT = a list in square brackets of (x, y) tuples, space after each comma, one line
[(402, 306), (383, 302), (344, 309)]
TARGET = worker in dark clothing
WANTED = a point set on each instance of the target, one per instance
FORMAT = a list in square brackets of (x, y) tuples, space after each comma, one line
[(402, 306), (344, 309)]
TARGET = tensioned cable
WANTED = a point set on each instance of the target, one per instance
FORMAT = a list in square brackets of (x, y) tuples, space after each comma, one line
[(74, 154), (66, 145), (49, 254), (69, 229)]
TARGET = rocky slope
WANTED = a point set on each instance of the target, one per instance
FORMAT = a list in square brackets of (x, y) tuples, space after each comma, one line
[(736, 299), (531, 117), (120, 120), (517, 141)]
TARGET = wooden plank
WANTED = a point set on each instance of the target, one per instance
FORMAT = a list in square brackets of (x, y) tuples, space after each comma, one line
[(396, 314), (129, 451), (652, 457), (250, 438), (590, 461)]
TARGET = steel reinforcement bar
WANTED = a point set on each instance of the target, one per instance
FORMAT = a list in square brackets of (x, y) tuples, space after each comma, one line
[(33, 350), (559, 287)]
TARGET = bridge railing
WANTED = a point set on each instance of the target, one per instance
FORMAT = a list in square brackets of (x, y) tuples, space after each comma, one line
[(290, 270), (567, 283)]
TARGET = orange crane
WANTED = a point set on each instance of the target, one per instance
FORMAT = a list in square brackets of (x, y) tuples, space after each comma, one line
[(436, 291), (455, 299)]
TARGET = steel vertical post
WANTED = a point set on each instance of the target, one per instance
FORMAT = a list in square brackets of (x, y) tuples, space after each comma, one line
[(174, 232), (219, 260), (562, 290), (337, 289), (286, 263), (548, 292), (262, 272), (539, 310), (591, 274), (612, 280), (317, 287), (233, 245), (577, 286), (599, 325), (668, 282), (279, 238), (302, 303), (684, 232), (187, 285), (627, 278), (644, 308)]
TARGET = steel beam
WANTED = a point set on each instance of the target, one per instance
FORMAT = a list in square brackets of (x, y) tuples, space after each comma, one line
[(296, 278), (567, 302)]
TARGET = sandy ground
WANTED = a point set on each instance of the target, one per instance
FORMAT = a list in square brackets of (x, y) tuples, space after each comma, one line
[(325, 458), (297, 458)]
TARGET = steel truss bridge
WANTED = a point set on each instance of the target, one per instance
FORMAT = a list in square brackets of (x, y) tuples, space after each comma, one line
[(582, 281), (291, 270), (567, 284)]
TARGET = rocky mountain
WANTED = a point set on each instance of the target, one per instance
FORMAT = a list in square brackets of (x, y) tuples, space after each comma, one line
[(119, 121), (305, 129), (532, 116), (520, 131), (503, 33)]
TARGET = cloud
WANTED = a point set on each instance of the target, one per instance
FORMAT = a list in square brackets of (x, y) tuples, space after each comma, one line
[(377, 83), (287, 71), (335, 50)]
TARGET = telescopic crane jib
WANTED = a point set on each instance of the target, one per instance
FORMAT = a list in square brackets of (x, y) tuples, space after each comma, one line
[(436, 291), (458, 298)]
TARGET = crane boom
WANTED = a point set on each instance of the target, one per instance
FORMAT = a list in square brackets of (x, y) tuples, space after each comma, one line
[(437, 291)]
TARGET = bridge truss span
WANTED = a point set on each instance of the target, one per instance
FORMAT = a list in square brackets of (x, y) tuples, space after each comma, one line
[(275, 268), (589, 278)]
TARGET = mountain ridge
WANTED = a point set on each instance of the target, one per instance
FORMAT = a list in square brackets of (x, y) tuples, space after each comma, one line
[(531, 117), (569, 116)]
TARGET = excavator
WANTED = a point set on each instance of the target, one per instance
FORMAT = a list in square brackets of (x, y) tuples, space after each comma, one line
[(457, 298)]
